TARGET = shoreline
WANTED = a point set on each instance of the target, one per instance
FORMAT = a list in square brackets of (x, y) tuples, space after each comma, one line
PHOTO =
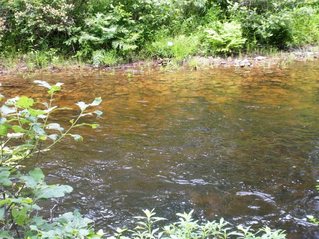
[(277, 59)]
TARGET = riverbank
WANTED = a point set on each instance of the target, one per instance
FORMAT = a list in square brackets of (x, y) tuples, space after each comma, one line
[(276, 59)]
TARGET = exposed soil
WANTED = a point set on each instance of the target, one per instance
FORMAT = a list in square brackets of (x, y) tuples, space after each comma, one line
[(197, 62)]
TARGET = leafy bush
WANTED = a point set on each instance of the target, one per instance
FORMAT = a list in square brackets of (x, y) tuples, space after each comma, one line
[(179, 47), (188, 228), (225, 37), (27, 130), (40, 23), (263, 28), (40, 59), (113, 30), (19, 209), (90, 30), (305, 26), (106, 58)]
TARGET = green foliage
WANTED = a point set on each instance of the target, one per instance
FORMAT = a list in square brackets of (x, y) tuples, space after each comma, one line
[(305, 26), (104, 32), (311, 218), (179, 47), (26, 129), (113, 30), (105, 58), (225, 37), (40, 23), (40, 59), (188, 228), (20, 210), (262, 27)]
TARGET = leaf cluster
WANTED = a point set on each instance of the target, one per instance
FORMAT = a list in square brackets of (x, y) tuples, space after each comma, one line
[(26, 130), (189, 228)]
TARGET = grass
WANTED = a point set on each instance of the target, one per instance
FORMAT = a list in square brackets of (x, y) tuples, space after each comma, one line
[(36, 60), (105, 58), (179, 47)]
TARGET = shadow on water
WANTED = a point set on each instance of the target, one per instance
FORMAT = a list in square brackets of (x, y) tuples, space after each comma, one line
[(234, 143)]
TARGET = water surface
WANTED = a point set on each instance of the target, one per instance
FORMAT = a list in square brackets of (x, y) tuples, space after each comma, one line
[(242, 144)]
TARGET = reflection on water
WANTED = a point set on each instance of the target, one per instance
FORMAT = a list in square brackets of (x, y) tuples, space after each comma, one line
[(234, 143)]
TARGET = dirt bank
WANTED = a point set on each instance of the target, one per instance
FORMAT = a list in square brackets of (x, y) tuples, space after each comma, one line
[(197, 62)]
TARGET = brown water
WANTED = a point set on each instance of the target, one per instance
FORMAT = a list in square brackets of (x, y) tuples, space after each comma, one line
[(234, 143)]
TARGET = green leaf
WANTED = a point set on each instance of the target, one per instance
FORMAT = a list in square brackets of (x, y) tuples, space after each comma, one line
[(96, 101), (43, 137), (94, 126), (4, 178), (37, 174), (5, 235), (98, 113), (25, 102), (34, 178), (77, 137), (24, 121), (55, 88), (3, 129), (2, 215), (53, 191), (20, 216), (36, 113), (18, 129), (5, 202), (82, 105), (54, 126), (38, 129), (53, 137), (22, 200)]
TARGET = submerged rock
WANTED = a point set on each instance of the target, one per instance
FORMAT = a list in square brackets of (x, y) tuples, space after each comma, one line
[(263, 196)]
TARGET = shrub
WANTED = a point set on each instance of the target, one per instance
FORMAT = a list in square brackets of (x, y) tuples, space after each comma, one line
[(305, 26), (40, 23), (27, 130), (262, 27), (179, 47), (224, 37), (114, 30), (188, 228), (106, 58)]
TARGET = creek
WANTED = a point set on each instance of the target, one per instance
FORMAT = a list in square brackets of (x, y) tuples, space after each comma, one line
[(242, 144)]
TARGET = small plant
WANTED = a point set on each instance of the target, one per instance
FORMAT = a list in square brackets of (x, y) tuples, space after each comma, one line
[(26, 129), (225, 37), (178, 48), (188, 228), (105, 58), (311, 218), (40, 59)]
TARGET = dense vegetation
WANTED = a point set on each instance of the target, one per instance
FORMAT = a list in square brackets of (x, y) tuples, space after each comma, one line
[(106, 32)]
